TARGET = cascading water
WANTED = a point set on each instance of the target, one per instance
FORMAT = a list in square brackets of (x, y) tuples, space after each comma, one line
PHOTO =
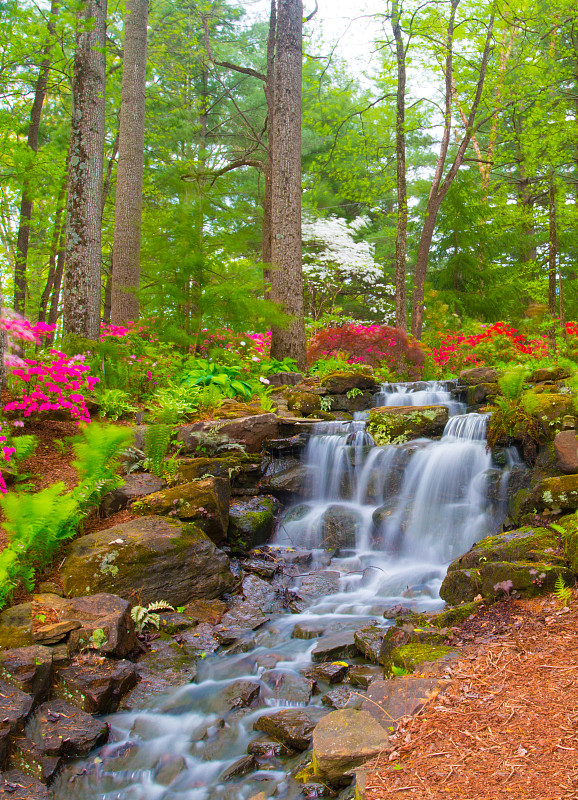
[(386, 520), (422, 393)]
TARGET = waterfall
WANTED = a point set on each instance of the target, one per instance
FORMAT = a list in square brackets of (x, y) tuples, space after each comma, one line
[(422, 393)]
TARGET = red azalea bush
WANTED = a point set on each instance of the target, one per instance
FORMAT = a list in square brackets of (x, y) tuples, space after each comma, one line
[(452, 352), (376, 345)]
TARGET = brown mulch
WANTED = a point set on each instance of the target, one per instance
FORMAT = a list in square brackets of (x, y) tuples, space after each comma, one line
[(507, 726)]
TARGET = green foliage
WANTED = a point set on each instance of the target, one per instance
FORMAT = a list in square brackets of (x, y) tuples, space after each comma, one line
[(512, 383), (144, 615), (353, 393), (115, 404), (326, 366), (98, 450), (325, 403), (228, 379), (97, 639), (157, 441), (24, 447), (274, 365), (563, 593), (212, 441)]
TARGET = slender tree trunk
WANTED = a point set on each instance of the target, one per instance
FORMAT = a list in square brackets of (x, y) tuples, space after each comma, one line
[(58, 222), (57, 284), (108, 176), (3, 343), (83, 214), (286, 253), (27, 202), (401, 231), (269, 87), (552, 258), (129, 181)]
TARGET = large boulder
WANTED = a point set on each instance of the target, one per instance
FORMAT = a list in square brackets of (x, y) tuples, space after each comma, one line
[(566, 449), (525, 544), (28, 669), (96, 686), (304, 403), (251, 521), (290, 484), (557, 493), (390, 701), (397, 424), (206, 502), (248, 431), (493, 580), (342, 741), (549, 374), (134, 488), (152, 558), (335, 647), (61, 729), (338, 527), (16, 626), (235, 467), (478, 375), (549, 410), (343, 382)]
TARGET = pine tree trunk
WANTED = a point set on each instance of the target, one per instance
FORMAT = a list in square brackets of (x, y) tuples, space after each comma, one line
[(26, 202), (129, 181), (286, 252), (56, 235), (552, 261), (401, 231), (83, 213), (269, 87)]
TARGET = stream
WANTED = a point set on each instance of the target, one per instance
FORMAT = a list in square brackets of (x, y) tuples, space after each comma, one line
[(396, 516)]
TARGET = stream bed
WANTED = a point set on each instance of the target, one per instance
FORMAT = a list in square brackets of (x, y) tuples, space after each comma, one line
[(377, 529)]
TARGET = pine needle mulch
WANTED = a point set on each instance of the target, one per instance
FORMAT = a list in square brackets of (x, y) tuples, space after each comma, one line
[(507, 726)]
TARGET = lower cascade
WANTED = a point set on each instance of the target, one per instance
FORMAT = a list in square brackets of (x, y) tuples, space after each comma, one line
[(376, 529)]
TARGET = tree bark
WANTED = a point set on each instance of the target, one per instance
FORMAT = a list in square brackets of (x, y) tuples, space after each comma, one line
[(269, 88), (57, 285), (552, 258), (129, 181), (400, 149), (56, 237), (27, 201), (83, 213), (286, 252), (440, 185)]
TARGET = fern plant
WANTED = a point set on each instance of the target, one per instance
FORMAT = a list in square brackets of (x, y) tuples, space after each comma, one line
[(157, 441), (511, 383), (563, 593), (98, 452), (145, 615)]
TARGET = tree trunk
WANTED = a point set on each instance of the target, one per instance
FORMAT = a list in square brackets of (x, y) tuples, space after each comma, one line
[(269, 87), (26, 202), (129, 181), (401, 230), (57, 285), (83, 214), (56, 236), (286, 254), (3, 340), (552, 260)]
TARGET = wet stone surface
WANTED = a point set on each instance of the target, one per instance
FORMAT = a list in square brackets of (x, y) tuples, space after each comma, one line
[(61, 729), (16, 785)]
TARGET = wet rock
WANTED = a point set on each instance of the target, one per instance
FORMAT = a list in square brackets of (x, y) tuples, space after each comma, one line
[(390, 701), (268, 748), (400, 423), (525, 544), (363, 676), (307, 630), (288, 686), (168, 768), (16, 785), (368, 641), (204, 502), (549, 374), (316, 584), (342, 741), (241, 694), (343, 382), (394, 637), (290, 484), (293, 556), (16, 626), (460, 586), (330, 672), (261, 594), (135, 487), (338, 527), (167, 665), (174, 622), (240, 767), (336, 646), (28, 669), (100, 612), (208, 611), (243, 617), (342, 697), (96, 686), (291, 727), (151, 556), (478, 375), (52, 634), (30, 759), (251, 521), (61, 729), (232, 467), (250, 431), (261, 566), (480, 392), (410, 657), (15, 706), (566, 447)]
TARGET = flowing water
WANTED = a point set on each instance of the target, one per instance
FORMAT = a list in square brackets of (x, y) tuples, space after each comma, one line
[(395, 516)]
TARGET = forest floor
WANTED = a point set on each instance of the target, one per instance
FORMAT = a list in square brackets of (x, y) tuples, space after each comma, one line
[(507, 726)]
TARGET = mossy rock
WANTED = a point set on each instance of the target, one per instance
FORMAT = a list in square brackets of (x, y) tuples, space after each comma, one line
[(460, 586), (206, 502), (548, 410), (550, 374), (152, 558), (303, 402), (191, 469), (251, 522), (16, 626), (480, 392), (500, 578), (525, 544), (398, 424), (456, 615), (570, 540), (409, 657), (557, 493), (343, 382)]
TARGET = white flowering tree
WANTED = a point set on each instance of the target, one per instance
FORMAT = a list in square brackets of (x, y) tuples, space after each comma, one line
[(339, 269)]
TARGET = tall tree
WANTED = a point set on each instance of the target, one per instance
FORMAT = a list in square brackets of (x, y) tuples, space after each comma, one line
[(27, 200), (129, 181), (286, 252), (85, 170)]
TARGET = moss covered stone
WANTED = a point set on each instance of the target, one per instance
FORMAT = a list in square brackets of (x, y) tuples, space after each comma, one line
[(191, 469), (460, 586), (570, 539), (397, 424), (453, 616), (480, 392), (204, 501), (303, 402), (525, 544), (408, 657), (251, 521), (548, 410), (152, 558), (343, 382), (557, 493), (499, 578)]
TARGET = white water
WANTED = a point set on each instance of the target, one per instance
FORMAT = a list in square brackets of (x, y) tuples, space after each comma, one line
[(422, 393), (400, 514)]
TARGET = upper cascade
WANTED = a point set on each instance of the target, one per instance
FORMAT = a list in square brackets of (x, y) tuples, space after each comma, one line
[(420, 393), (471, 427)]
